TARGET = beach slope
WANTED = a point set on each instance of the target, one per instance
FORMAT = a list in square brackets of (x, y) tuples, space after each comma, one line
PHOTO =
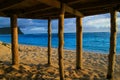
[(33, 65)]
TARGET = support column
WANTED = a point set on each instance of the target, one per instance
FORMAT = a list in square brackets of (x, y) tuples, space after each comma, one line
[(61, 42), (78, 43), (14, 40), (112, 53), (49, 41)]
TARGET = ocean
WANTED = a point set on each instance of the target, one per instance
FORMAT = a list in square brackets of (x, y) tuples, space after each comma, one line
[(92, 42)]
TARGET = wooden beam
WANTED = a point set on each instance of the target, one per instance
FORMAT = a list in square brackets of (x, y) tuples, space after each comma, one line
[(46, 17), (9, 3), (49, 41), (38, 8), (61, 42), (56, 4), (2, 14), (92, 5), (35, 10), (111, 57), (95, 12), (79, 43), (44, 14), (14, 37), (82, 7), (74, 2)]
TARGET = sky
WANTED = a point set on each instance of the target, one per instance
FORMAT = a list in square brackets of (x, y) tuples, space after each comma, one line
[(96, 23)]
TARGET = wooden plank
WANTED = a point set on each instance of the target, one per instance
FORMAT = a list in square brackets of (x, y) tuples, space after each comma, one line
[(79, 43), (99, 4), (72, 11), (57, 4), (49, 41), (35, 10), (95, 12), (113, 35), (14, 37), (61, 43), (43, 14), (78, 6), (2, 14), (74, 2), (9, 3)]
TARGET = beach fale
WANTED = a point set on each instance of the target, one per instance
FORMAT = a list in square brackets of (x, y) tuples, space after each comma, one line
[(60, 9)]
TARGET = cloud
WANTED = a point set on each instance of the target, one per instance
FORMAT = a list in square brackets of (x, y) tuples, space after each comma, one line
[(69, 25), (31, 23), (34, 30), (4, 22), (29, 26), (38, 29), (97, 23)]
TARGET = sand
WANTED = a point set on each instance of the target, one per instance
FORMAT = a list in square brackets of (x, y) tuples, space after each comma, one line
[(33, 65)]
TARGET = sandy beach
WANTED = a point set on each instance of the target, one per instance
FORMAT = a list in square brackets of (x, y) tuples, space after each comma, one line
[(33, 65)]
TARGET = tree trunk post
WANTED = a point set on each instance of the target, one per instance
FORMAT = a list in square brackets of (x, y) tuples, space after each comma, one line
[(49, 41), (112, 53), (79, 43), (14, 40), (61, 42)]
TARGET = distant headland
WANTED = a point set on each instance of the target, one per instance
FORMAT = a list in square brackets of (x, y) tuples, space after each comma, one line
[(7, 30)]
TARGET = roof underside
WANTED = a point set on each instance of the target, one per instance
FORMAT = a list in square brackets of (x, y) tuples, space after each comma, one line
[(44, 9)]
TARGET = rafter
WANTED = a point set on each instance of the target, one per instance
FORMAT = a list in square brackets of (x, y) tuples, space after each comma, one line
[(47, 8), (96, 12), (2, 14), (44, 14), (99, 4), (74, 2), (57, 4), (78, 6), (9, 3), (35, 10), (52, 15)]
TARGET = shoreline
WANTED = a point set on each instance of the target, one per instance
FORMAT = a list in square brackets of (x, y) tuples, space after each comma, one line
[(88, 51), (33, 60), (99, 42), (74, 50)]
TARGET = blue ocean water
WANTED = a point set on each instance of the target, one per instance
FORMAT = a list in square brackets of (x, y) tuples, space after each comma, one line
[(93, 42)]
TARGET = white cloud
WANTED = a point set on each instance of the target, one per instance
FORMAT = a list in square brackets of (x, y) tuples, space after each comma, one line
[(92, 23), (98, 23), (4, 22), (38, 29)]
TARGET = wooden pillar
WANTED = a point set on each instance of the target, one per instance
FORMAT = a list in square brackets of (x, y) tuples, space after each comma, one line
[(49, 41), (61, 42), (112, 53), (14, 40), (79, 43)]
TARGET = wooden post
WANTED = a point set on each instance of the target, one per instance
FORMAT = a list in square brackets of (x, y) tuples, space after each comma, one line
[(14, 40), (49, 41), (61, 42), (112, 53), (79, 43)]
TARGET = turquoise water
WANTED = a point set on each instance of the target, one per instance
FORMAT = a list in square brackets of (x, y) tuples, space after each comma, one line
[(93, 42)]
